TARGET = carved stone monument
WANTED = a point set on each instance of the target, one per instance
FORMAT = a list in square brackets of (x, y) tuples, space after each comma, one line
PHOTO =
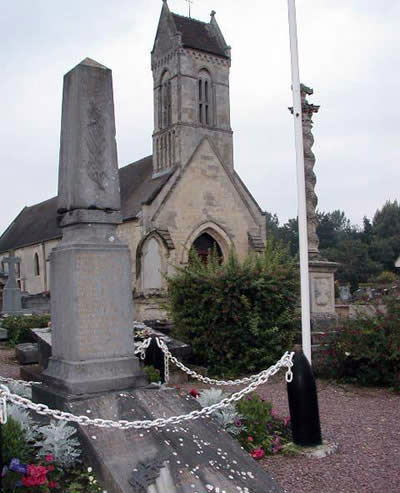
[(322, 272), (12, 304), (91, 299)]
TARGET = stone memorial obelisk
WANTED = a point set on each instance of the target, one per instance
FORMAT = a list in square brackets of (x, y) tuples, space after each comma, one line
[(12, 304), (91, 289)]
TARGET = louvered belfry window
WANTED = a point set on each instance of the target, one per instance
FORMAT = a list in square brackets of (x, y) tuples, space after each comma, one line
[(164, 101), (205, 98)]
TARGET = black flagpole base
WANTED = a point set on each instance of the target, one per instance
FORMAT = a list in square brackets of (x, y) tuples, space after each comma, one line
[(303, 403)]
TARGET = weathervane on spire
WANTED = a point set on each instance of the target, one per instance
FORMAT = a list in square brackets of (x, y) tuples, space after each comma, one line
[(189, 2)]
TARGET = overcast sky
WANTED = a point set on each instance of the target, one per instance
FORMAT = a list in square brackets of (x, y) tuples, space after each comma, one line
[(349, 54)]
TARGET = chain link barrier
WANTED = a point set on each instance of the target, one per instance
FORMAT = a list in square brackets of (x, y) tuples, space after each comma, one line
[(42, 409), (24, 383), (240, 381)]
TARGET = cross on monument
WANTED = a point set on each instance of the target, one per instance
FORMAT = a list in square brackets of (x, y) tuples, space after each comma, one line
[(189, 2), (12, 262), (12, 303)]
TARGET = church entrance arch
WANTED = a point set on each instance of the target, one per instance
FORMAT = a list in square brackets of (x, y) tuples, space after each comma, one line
[(203, 237), (204, 245)]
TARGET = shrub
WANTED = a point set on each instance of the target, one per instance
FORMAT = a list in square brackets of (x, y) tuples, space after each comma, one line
[(14, 441), (18, 327), (386, 277), (238, 317), (152, 374), (263, 429), (57, 440), (227, 417), (367, 348)]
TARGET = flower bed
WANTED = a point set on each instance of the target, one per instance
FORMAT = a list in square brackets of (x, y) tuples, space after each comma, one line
[(252, 421), (42, 457)]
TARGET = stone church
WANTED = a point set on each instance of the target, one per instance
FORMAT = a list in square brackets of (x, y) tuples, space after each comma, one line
[(185, 195)]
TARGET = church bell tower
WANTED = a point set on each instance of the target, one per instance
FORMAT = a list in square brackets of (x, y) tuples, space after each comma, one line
[(190, 62)]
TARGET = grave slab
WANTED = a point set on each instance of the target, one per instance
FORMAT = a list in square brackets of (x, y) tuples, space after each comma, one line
[(27, 353), (196, 456)]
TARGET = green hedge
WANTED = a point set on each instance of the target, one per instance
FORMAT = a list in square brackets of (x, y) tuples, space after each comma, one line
[(18, 327), (367, 348), (238, 317)]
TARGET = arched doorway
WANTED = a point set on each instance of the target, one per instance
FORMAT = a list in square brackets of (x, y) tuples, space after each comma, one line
[(204, 244)]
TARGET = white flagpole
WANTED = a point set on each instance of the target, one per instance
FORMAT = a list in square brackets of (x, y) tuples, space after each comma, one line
[(301, 190)]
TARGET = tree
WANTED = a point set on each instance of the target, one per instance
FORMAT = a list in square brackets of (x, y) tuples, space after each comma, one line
[(385, 243), (332, 228), (355, 264)]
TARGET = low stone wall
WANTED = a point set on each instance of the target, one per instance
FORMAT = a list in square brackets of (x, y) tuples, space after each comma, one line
[(352, 310), (36, 303)]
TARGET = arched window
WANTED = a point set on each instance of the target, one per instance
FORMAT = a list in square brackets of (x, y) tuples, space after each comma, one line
[(204, 245), (151, 270), (36, 266), (164, 101), (205, 97)]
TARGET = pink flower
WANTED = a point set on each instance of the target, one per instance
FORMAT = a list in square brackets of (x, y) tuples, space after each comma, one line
[(250, 439), (49, 458), (258, 453), (274, 413), (194, 393), (286, 420)]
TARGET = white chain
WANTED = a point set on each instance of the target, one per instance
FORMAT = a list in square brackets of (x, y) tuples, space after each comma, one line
[(213, 381), (141, 348), (19, 382), (3, 410), (44, 410)]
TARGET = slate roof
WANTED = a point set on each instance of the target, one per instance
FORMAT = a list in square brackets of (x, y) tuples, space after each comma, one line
[(198, 35), (39, 222)]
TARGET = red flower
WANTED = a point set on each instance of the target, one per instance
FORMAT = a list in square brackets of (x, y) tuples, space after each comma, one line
[(258, 453), (36, 475), (194, 393), (53, 484), (49, 458), (50, 468)]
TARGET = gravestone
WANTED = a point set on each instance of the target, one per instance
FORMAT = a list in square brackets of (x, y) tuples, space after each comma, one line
[(196, 456), (92, 369), (12, 304)]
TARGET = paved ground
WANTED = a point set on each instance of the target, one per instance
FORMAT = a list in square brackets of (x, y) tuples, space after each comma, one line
[(364, 422)]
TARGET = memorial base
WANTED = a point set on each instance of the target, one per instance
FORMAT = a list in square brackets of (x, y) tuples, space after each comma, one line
[(85, 377)]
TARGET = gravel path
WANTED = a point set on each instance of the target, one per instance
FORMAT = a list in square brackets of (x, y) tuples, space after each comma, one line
[(8, 364), (365, 422)]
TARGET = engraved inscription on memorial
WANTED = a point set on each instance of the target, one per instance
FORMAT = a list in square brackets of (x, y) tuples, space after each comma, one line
[(146, 473), (96, 144)]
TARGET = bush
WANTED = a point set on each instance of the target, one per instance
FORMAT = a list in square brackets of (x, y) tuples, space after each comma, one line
[(238, 317), (14, 441), (367, 348), (152, 374), (18, 327), (386, 277), (263, 429)]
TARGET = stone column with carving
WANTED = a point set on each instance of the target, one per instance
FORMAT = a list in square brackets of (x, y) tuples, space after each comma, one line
[(91, 288), (322, 272)]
